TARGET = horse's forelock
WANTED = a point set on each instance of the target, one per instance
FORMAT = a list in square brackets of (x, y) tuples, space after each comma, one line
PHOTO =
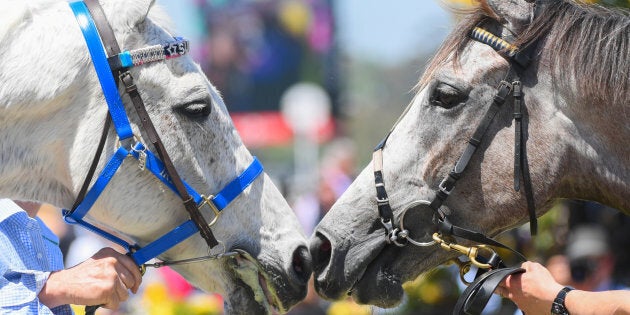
[(487, 10), (587, 44), (453, 46)]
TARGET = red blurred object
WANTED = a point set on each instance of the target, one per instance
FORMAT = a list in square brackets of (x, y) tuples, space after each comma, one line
[(177, 286), (264, 129)]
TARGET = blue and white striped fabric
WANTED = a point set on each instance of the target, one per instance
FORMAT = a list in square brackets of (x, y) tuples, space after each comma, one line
[(29, 251)]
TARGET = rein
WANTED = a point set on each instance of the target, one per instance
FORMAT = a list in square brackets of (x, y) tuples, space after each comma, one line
[(491, 270), (112, 67)]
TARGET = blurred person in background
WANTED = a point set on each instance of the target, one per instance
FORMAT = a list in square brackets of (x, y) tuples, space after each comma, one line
[(336, 172), (591, 262)]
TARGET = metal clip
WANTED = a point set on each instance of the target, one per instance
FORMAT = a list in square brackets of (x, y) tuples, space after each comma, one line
[(399, 237), (464, 268), (128, 142), (471, 252), (387, 225), (142, 160)]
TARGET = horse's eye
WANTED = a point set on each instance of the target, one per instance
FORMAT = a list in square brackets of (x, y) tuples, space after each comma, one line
[(447, 96), (196, 109)]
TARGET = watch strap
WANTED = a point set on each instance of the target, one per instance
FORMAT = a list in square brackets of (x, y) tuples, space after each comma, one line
[(558, 307)]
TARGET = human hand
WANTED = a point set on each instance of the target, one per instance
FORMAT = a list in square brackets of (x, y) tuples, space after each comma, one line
[(104, 279), (533, 291)]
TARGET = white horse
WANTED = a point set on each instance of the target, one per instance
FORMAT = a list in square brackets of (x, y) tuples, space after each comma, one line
[(576, 98), (52, 111)]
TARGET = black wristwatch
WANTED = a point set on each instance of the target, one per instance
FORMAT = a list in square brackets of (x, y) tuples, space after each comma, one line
[(558, 307)]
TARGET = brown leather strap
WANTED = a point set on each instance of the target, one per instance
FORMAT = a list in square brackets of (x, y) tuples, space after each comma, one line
[(154, 138), (111, 46), (104, 29), (92, 170)]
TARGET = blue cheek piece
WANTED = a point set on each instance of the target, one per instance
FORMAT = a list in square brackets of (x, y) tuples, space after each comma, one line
[(221, 199), (166, 241), (152, 164), (101, 182), (155, 166), (103, 71)]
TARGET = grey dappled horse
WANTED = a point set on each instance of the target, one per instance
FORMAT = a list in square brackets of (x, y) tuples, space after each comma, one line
[(574, 143)]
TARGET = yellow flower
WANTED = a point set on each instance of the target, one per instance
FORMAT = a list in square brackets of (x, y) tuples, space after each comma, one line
[(156, 300), (348, 307), (207, 304)]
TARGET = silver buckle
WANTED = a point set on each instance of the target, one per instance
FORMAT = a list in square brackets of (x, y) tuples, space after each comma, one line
[(381, 202), (442, 187)]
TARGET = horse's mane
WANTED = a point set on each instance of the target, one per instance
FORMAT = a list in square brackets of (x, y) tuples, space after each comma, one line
[(588, 45)]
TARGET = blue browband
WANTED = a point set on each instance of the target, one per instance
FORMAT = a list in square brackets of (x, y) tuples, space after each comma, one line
[(146, 159)]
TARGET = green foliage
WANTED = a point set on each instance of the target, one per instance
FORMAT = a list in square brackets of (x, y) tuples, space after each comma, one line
[(616, 3)]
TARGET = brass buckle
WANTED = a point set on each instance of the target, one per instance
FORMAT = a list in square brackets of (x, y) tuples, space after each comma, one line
[(208, 201), (470, 252), (143, 267)]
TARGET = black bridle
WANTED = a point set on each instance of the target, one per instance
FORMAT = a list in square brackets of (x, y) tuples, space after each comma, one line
[(446, 233)]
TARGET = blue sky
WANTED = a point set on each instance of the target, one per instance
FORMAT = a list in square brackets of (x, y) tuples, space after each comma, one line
[(391, 31), (387, 32)]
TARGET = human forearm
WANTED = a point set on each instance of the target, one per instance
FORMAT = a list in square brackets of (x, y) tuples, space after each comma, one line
[(589, 303), (54, 292)]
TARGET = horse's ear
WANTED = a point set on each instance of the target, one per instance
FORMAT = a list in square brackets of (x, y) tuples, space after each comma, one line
[(125, 14), (515, 14)]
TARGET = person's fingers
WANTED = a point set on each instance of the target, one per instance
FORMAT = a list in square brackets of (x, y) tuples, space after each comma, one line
[(506, 283), (122, 292), (114, 299), (512, 281), (500, 291), (529, 265), (119, 295), (132, 274), (126, 277)]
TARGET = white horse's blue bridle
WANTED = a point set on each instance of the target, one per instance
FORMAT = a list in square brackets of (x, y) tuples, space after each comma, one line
[(147, 160)]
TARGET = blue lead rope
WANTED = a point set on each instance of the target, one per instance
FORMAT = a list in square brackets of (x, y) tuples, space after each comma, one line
[(147, 159)]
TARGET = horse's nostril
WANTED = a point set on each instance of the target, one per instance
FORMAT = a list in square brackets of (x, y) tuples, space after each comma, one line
[(302, 265), (320, 250)]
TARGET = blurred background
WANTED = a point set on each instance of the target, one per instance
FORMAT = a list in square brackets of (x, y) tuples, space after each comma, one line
[(312, 86)]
